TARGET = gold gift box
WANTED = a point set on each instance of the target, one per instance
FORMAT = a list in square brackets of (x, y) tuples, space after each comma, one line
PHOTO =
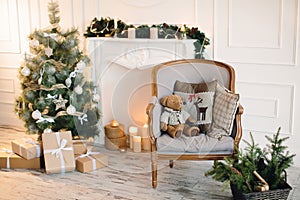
[(91, 162), (13, 161), (58, 152), (26, 148)]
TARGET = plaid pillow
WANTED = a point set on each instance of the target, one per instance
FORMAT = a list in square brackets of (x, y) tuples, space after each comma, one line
[(224, 109)]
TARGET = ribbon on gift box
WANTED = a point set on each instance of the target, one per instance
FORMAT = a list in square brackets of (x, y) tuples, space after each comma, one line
[(34, 143), (58, 152), (88, 154), (8, 151)]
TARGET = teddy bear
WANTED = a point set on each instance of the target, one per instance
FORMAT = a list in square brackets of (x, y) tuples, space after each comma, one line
[(174, 120)]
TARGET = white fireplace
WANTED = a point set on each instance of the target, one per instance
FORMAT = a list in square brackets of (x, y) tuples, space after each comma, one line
[(121, 68)]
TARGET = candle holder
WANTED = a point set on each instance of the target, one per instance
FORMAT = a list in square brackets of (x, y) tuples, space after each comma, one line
[(115, 138)]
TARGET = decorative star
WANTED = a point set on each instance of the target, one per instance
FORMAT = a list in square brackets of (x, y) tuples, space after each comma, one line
[(60, 102), (48, 51)]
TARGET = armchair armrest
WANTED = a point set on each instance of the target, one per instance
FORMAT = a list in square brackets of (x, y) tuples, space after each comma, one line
[(240, 110), (149, 112)]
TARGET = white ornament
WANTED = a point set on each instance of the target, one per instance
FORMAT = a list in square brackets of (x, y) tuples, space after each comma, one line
[(68, 82), (36, 114), (81, 65), (47, 130), (71, 110), (96, 97), (48, 51), (78, 89), (25, 71), (34, 43)]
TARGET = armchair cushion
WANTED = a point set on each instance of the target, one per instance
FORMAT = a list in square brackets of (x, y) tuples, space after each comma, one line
[(202, 144)]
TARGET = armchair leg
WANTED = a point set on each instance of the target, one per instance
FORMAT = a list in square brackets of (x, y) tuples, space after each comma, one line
[(154, 169), (171, 163)]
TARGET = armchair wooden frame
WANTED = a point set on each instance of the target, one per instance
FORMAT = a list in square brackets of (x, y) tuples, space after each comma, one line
[(155, 156)]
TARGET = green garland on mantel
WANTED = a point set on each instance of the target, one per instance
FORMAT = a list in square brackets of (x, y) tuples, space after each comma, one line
[(105, 27)]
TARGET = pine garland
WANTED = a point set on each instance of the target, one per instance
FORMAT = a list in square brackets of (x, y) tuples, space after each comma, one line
[(104, 27)]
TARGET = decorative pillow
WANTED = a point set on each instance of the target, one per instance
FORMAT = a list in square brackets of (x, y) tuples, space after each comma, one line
[(224, 109), (204, 94), (195, 87)]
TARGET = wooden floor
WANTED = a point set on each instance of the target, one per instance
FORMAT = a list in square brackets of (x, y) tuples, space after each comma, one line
[(127, 177)]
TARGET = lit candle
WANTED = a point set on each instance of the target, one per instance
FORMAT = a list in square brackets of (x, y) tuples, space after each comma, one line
[(137, 145), (133, 131), (114, 123), (131, 33), (145, 138), (153, 33)]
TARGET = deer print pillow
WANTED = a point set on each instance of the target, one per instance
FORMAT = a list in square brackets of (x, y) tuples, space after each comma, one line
[(197, 97)]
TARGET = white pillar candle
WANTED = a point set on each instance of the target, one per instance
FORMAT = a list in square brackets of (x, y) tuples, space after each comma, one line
[(133, 131), (131, 33), (137, 143), (146, 145), (153, 33)]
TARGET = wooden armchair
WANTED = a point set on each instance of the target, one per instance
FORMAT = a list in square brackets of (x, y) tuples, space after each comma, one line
[(193, 71)]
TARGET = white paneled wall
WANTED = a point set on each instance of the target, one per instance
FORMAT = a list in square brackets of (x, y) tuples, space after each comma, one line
[(260, 38)]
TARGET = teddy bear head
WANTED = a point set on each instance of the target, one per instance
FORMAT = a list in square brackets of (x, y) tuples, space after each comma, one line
[(174, 102)]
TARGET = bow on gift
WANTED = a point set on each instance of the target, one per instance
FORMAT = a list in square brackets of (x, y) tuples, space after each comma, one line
[(88, 154), (8, 151), (34, 143), (62, 146)]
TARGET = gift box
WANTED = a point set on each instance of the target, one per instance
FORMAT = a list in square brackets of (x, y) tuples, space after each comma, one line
[(91, 161), (58, 152), (80, 147), (9, 160), (26, 148)]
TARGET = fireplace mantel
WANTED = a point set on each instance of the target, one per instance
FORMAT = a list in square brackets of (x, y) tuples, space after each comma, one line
[(121, 68)]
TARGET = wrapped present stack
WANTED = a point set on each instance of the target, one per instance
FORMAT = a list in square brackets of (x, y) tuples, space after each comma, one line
[(24, 153), (115, 137), (56, 153)]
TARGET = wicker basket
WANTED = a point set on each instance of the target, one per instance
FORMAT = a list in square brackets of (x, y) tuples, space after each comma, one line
[(278, 194)]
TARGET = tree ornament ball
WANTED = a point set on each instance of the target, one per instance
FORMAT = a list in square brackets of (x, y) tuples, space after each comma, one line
[(25, 71), (96, 97), (81, 65), (78, 89), (68, 82), (35, 75), (29, 96), (34, 43), (48, 130), (26, 115), (50, 81), (50, 70), (36, 114), (71, 110)]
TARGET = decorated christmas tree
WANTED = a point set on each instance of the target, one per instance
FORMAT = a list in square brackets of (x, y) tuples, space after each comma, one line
[(55, 93)]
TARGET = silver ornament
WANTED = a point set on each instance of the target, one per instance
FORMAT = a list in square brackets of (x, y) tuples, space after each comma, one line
[(78, 89), (47, 130), (71, 110), (96, 97), (81, 65), (25, 71), (36, 114), (68, 82), (48, 51), (34, 43)]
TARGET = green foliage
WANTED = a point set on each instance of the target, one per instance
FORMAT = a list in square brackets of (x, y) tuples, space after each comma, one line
[(53, 84), (270, 164), (105, 27)]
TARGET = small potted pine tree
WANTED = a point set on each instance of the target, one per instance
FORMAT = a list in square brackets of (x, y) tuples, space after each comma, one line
[(256, 173)]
